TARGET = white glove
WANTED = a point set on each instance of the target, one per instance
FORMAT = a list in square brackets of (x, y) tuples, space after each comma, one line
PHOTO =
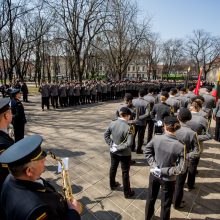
[(113, 148), (159, 123), (156, 171), (114, 145)]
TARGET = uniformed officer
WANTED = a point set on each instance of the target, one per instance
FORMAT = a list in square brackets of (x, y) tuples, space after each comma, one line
[(189, 137), (143, 108), (127, 103), (190, 93), (44, 89), (54, 92), (165, 155), (19, 119), (200, 125), (5, 140), (24, 194), (160, 111), (209, 102), (183, 100), (150, 123), (120, 139), (172, 101)]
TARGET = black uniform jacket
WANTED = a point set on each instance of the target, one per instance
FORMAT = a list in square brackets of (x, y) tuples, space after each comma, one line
[(27, 200), (5, 142), (17, 109)]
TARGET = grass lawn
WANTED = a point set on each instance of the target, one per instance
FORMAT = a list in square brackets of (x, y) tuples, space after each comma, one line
[(33, 90)]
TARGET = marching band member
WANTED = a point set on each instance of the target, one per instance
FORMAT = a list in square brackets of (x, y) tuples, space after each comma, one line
[(24, 194), (166, 157), (120, 139)]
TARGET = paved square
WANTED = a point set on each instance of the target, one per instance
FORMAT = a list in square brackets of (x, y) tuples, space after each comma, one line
[(77, 133)]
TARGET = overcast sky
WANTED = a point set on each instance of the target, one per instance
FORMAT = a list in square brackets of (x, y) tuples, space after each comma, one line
[(178, 18)]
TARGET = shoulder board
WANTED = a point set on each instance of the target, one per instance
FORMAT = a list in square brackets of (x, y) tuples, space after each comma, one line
[(43, 216)]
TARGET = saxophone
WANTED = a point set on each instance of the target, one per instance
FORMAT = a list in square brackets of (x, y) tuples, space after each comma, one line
[(67, 189)]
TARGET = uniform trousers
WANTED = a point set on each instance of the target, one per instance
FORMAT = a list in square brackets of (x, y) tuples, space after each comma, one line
[(167, 190), (18, 131), (54, 101), (125, 167), (193, 163), (45, 101), (150, 130), (217, 129), (25, 97), (178, 194), (140, 131)]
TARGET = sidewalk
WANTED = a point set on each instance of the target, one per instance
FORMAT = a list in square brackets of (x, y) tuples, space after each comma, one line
[(77, 133)]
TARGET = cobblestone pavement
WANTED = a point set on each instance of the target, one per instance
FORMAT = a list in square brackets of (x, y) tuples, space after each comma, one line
[(77, 133)]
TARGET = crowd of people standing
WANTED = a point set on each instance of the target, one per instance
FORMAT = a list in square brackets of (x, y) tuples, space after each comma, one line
[(177, 122)]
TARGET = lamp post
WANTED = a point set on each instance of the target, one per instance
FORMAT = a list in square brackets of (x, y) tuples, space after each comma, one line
[(187, 77)]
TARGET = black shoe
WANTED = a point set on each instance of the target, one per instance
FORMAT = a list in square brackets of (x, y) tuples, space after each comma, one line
[(130, 194), (179, 206), (132, 162), (191, 188), (139, 151), (115, 186)]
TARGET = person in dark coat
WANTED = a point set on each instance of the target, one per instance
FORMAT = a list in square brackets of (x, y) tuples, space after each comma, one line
[(24, 90), (19, 119), (5, 140), (24, 194)]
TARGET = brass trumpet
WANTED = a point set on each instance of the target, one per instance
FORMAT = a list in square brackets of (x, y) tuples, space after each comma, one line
[(67, 189)]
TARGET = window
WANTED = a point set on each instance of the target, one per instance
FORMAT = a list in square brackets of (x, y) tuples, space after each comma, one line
[(129, 69), (133, 68), (143, 68)]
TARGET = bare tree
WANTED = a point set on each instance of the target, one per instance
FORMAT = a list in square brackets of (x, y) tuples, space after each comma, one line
[(203, 49), (173, 53), (151, 50), (81, 21), (122, 35)]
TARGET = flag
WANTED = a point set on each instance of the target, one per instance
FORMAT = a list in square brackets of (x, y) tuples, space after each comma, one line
[(196, 91), (216, 90)]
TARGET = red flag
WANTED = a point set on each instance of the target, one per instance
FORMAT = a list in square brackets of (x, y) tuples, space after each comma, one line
[(216, 90), (196, 91)]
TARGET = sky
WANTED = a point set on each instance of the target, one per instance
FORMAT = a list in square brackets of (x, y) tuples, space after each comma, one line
[(178, 18)]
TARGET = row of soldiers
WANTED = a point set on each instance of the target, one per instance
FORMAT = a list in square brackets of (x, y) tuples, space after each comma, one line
[(177, 123), (65, 94)]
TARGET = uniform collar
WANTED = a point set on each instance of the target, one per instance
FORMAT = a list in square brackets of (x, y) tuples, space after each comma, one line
[(33, 186), (184, 125), (170, 136)]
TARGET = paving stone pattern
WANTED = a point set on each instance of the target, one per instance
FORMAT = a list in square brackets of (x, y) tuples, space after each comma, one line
[(77, 133)]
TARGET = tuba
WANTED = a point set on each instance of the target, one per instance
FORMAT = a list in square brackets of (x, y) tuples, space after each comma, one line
[(67, 189)]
